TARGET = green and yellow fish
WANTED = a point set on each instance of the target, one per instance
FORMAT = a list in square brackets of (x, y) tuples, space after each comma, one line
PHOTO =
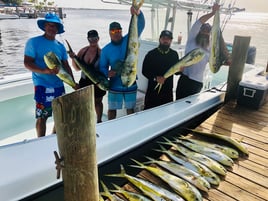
[(211, 153), (235, 143), (153, 191), (128, 68), (192, 177), (193, 165), (189, 59), (210, 163), (180, 186), (95, 76), (52, 61)]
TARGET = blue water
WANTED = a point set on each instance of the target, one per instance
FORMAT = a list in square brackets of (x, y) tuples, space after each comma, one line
[(14, 33)]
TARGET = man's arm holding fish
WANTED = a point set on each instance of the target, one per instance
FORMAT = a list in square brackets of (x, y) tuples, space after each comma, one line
[(30, 64), (203, 19), (104, 61)]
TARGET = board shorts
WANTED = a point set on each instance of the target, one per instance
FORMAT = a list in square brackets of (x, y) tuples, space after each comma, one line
[(43, 97), (116, 100)]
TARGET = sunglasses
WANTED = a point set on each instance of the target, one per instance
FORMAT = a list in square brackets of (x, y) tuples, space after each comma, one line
[(93, 39), (114, 31)]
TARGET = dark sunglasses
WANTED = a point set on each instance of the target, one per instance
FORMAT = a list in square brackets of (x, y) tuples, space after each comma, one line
[(114, 31), (93, 39)]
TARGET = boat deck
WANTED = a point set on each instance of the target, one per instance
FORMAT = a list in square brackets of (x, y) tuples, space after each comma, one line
[(248, 179)]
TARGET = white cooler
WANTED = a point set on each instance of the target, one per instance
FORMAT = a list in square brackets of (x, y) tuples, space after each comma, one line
[(252, 91)]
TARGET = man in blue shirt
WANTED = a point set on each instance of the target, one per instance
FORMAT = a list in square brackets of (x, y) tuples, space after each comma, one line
[(47, 85), (112, 53)]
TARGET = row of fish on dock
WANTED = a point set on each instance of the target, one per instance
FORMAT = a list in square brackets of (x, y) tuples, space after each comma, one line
[(189, 167)]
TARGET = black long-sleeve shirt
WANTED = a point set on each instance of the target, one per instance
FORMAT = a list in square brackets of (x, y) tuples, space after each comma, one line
[(156, 63)]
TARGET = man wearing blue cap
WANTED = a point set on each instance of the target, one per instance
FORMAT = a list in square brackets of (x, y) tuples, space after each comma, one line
[(191, 80), (112, 53), (47, 85)]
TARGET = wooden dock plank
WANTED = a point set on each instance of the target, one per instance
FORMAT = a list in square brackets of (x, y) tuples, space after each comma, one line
[(248, 179)]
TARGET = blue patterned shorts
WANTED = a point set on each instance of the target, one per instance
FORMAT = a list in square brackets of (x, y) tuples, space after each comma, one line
[(43, 97)]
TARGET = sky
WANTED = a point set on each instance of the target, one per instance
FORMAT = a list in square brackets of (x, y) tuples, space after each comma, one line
[(249, 5)]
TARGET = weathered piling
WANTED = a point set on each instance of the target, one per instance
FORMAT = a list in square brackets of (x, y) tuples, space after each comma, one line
[(239, 56), (75, 122)]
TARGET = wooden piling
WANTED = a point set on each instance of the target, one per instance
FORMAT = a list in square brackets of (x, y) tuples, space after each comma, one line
[(239, 56), (75, 122)]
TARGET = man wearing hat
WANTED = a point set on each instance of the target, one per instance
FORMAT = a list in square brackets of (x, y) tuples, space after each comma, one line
[(111, 54), (47, 85), (191, 80), (155, 65), (90, 55)]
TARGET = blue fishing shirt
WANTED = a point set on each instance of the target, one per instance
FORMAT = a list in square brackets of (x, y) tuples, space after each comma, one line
[(36, 48), (112, 53)]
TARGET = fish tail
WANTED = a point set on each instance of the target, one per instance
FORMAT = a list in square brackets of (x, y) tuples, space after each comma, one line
[(140, 165), (121, 174), (105, 190), (70, 50)]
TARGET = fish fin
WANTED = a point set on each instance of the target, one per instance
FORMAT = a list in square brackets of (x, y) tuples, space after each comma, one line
[(140, 165), (70, 50), (121, 174)]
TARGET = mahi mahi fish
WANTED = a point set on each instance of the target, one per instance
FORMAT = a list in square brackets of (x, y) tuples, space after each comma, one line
[(189, 59), (189, 175), (195, 166), (52, 61), (218, 51), (94, 75), (210, 163), (180, 186), (106, 193), (232, 153), (155, 192), (238, 145), (131, 196), (211, 153), (128, 68)]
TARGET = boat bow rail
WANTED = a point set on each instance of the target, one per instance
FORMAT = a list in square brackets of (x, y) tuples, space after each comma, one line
[(29, 166)]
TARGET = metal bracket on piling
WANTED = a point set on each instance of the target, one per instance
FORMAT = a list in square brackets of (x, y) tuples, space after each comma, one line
[(59, 163)]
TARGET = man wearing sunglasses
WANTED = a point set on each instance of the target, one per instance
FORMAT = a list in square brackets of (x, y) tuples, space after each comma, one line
[(112, 53)]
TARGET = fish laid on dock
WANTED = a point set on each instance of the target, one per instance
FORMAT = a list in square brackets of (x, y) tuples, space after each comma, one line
[(181, 171), (210, 163), (131, 196), (235, 143), (191, 58), (155, 192), (52, 61), (180, 186), (95, 76), (232, 153), (106, 193), (193, 165), (211, 153), (128, 68)]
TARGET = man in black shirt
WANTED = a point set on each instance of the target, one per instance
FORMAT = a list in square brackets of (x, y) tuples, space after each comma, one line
[(155, 64)]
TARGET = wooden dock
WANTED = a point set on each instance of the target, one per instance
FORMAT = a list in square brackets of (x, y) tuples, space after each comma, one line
[(248, 179)]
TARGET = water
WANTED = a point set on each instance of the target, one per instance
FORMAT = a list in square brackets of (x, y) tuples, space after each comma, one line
[(14, 33)]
